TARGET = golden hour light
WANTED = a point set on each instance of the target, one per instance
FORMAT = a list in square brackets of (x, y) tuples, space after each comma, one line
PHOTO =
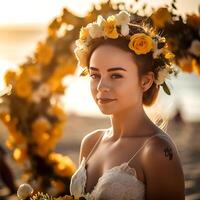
[(90, 90)]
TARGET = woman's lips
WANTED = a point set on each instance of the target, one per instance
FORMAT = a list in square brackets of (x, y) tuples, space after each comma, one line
[(104, 101)]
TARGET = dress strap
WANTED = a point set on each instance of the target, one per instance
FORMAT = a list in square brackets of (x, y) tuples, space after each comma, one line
[(143, 146), (94, 147)]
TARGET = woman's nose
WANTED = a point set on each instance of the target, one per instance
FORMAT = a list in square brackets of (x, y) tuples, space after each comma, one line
[(103, 86)]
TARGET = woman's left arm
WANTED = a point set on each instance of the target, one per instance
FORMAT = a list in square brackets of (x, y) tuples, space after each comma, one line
[(163, 171)]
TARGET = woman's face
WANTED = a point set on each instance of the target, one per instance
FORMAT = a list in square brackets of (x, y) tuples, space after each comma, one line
[(114, 80)]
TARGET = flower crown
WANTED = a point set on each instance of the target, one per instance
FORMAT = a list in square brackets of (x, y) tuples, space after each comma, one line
[(143, 42)]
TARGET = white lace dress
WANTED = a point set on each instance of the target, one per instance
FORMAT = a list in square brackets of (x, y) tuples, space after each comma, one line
[(118, 183)]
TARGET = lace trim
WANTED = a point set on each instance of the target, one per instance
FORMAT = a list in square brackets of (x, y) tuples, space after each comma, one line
[(124, 167)]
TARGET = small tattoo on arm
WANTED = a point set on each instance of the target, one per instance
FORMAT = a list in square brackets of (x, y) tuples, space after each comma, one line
[(168, 152)]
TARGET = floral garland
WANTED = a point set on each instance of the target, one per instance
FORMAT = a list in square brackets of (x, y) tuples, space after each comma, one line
[(183, 36), (118, 25), (33, 113)]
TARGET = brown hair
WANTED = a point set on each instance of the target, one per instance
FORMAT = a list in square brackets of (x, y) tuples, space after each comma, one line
[(144, 62)]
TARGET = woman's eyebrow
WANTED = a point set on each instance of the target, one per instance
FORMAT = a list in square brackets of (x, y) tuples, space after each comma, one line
[(110, 69)]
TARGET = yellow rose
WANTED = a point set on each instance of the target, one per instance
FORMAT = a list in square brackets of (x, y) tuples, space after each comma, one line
[(141, 43), (84, 34), (44, 53), (23, 87), (10, 77), (109, 27)]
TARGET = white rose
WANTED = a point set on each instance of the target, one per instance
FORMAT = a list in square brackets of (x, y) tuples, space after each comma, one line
[(122, 18), (195, 48), (157, 52), (81, 55), (125, 30), (24, 191), (100, 21), (162, 75), (79, 43), (95, 30)]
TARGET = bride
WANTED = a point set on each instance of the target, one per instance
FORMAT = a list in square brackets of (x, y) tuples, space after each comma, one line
[(133, 159)]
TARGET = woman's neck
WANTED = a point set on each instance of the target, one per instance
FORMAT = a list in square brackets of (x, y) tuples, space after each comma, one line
[(131, 123)]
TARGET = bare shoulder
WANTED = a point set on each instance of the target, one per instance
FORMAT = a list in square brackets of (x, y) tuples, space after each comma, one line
[(88, 142), (163, 147), (162, 168)]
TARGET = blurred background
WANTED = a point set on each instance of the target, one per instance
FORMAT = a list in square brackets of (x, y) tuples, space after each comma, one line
[(24, 23)]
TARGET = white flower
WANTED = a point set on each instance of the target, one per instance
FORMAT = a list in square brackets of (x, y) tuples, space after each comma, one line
[(157, 52), (24, 191), (44, 90), (79, 43), (123, 17), (81, 55), (162, 75), (124, 29), (95, 30), (195, 48), (6, 90), (100, 21)]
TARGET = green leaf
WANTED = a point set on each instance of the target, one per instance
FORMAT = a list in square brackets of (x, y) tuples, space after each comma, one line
[(166, 89)]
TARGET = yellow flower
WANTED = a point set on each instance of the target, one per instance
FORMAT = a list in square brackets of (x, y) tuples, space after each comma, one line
[(140, 43), (23, 87), (169, 55), (10, 77), (65, 67), (41, 125), (84, 34), (109, 27), (160, 17), (17, 137), (196, 67), (58, 112), (81, 55), (41, 138), (63, 165), (55, 84), (44, 53), (19, 155), (32, 72)]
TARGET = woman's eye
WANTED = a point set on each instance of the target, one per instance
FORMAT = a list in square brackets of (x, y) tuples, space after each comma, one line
[(116, 76), (93, 76)]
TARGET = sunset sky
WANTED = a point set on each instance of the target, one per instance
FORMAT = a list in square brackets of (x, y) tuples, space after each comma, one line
[(23, 12)]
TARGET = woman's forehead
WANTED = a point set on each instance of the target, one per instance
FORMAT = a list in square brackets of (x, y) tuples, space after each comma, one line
[(109, 56)]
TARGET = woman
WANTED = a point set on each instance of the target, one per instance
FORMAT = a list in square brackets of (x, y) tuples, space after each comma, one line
[(133, 159)]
